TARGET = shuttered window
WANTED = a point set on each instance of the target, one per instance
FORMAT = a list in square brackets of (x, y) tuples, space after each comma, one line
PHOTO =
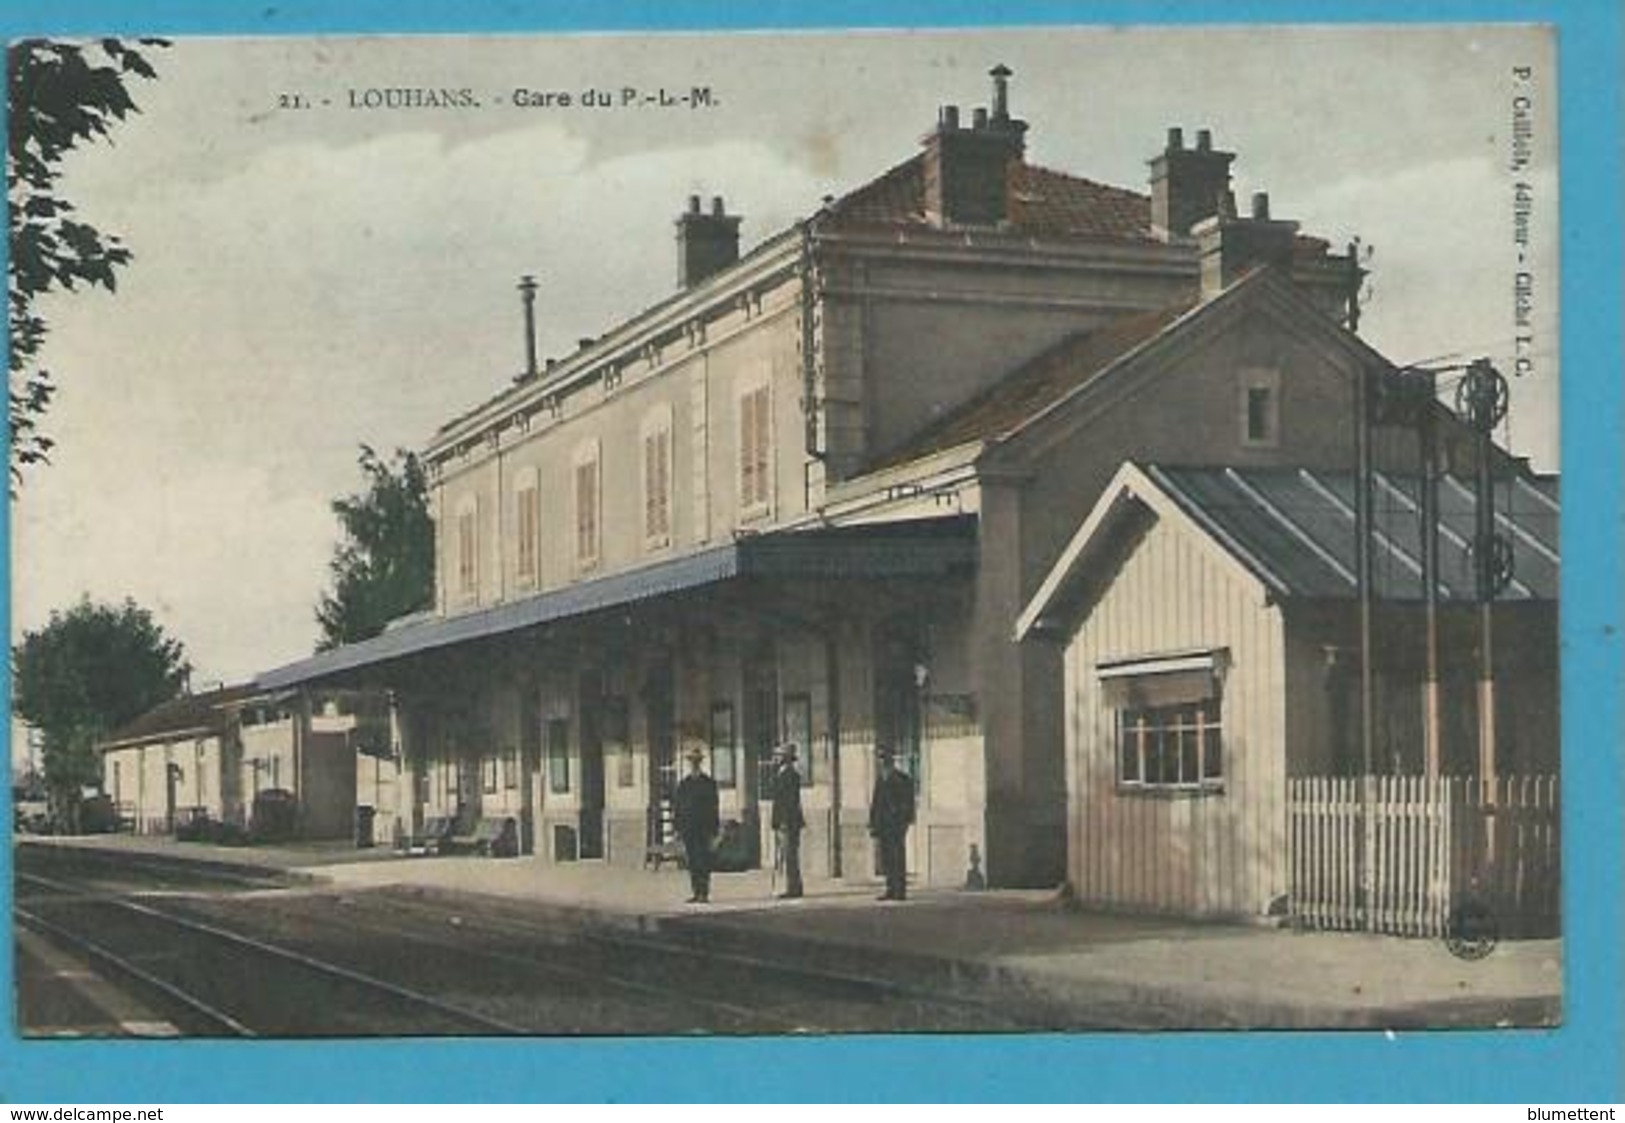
[(657, 487), (468, 551), (755, 451), (527, 527), (586, 503)]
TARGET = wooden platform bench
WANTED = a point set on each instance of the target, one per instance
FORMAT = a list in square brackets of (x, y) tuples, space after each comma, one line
[(433, 836), (492, 837)]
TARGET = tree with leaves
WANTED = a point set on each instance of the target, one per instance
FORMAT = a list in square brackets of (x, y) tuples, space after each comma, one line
[(85, 673), (61, 95), (384, 567)]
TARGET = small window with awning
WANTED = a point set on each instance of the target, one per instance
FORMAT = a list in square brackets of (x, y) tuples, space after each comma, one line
[(1169, 719)]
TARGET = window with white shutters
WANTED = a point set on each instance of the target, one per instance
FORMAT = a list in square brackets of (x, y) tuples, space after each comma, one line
[(527, 529), (755, 452), (468, 550), (657, 486), (587, 514)]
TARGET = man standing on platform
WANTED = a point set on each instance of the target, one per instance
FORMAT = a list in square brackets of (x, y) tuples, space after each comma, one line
[(787, 818), (891, 813), (697, 822)]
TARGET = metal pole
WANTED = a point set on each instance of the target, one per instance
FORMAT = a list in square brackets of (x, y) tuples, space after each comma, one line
[(1484, 510), (1427, 429), (1362, 554), (832, 675)]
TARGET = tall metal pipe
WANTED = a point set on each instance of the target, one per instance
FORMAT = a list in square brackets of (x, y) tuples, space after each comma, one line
[(527, 296)]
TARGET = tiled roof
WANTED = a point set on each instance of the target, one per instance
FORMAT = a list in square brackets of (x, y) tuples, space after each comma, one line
[(190, 711), (1042, 203), (1037, 384)]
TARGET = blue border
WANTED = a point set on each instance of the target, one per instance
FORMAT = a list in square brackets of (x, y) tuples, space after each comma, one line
[(1580, 1062)]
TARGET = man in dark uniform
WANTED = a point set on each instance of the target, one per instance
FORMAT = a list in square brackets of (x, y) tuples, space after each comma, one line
[(787, 818), (697, 821), (891, 813)]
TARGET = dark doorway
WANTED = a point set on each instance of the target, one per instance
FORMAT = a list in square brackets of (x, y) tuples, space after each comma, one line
[(759, 722), (659, 713), (900, 674), (468, 791), (592, 766), (530, 757), (172, 779)]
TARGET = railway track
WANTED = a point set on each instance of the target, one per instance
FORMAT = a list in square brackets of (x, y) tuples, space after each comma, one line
[(926, 1008), (387, 963), (244, 993)]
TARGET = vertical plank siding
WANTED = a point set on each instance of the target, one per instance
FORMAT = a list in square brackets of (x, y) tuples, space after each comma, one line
[(1436, 843), (1211, 852)]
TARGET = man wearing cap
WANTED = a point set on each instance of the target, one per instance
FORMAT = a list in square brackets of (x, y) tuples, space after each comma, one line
[(787, 817), (891, 813), (697, 821)]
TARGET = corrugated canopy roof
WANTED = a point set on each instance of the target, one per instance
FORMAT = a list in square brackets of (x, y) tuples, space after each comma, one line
[(1297, 526), (924, 549)]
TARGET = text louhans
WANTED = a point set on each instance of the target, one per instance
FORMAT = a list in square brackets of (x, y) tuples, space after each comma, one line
[(524, 97)]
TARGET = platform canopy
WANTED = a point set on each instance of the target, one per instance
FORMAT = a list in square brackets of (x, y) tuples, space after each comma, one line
[(919, 550)]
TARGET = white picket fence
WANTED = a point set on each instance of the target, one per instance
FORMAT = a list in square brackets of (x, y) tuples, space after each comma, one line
[(1397, 854)]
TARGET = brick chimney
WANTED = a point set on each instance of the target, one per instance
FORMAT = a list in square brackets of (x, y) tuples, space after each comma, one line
[(1187, 184), (1230, 246), (967, 171), (706, 243)]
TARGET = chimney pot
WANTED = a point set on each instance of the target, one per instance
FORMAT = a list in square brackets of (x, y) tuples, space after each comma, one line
[(527, 298), (967, 170), (1187, 184), (706, 242), (1228, 249), (1001, 92)]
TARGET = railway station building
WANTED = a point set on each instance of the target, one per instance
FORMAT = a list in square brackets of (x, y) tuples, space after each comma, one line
[(807, 496), (222, 757)]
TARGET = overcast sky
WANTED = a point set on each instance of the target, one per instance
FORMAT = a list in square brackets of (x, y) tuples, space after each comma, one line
[(308, 280)]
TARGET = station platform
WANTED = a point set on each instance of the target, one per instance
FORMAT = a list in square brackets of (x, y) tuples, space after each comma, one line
[(1024, 943)]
